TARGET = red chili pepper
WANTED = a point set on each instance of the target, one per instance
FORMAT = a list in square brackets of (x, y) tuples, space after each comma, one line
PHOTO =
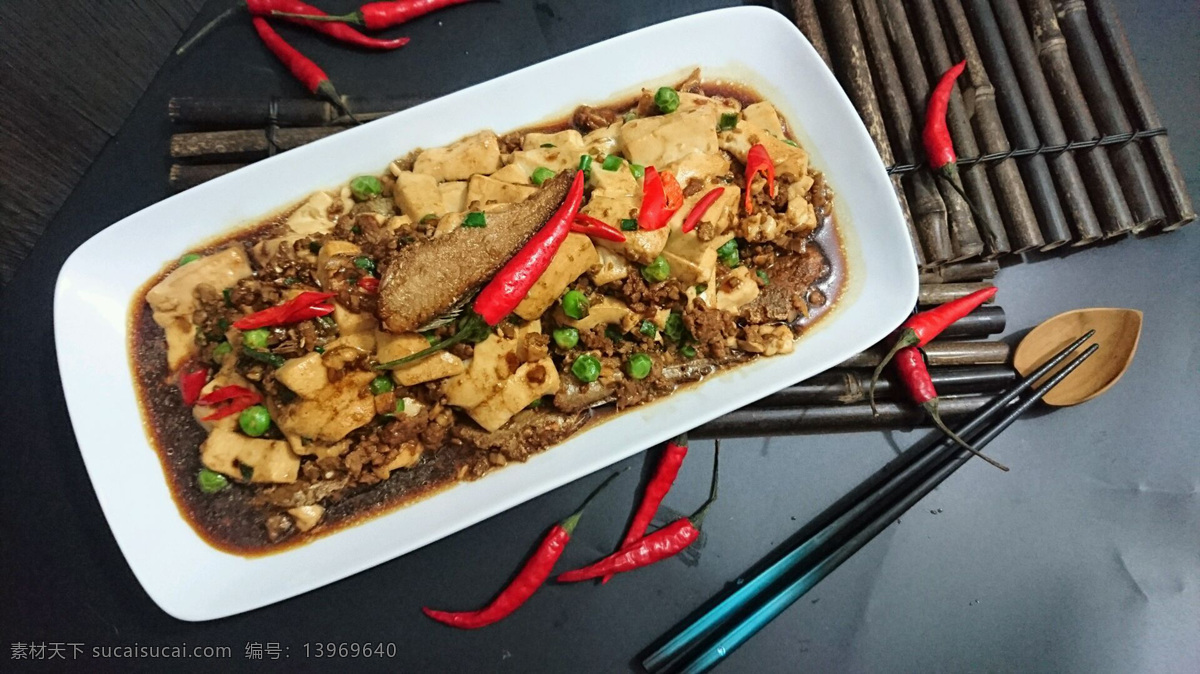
[(939, 147), (920, 329), (380, 15), (654, 201), (369, 284), (228, 400), (666, 542), (586, 224), (672, 191), (758, 161), (191, 382), (303, 14), (304, 306), (910, 365), (531, 576), (302, 68), (512, 283), (702, 206), (660, 484)]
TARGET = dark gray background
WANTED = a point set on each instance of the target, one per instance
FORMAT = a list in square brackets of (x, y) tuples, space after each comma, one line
[(1084, 558)]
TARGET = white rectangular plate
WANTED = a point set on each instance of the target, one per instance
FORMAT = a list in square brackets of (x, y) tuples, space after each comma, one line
[(95, 288)]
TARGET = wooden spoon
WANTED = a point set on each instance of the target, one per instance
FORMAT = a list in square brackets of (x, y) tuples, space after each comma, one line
[(1117, 333)]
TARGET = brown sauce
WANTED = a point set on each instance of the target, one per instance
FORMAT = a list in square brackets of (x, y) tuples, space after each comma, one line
[(234, 524)]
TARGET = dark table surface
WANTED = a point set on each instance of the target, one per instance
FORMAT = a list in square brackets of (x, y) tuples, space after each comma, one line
[(1085, 558)]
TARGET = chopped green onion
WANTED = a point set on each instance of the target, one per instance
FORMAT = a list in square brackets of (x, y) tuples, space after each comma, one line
[(728, 254), (728, 121), (190, 257), (319, 349), (365, 263), (673, 329), (628, 225), (657, 271), (263, 357), (548, 145), (762, 276), (630, 115), (700, 288), (399, 405), (791, 142), (613, 333), (223, 324), (210, 481), (256, 339), (428, 217), (648, 328), (537, 402), (254, 420), (639, 365), (365, 187), (666, 99), (637, 170), (356, 230), (541, 174), (612, 162), (586, 368), (327, 322), (223, 349), (688, 351), (474, 219), (381, 385), (429, 337), (585, 164), (575, 304), (566, 338)]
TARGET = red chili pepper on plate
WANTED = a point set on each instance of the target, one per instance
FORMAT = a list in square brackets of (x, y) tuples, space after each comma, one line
[(910, 365), (191, 381), (302, 307), (663, 543), (656, 490), (701, 207), (672, 192), (586, 224), (380, 15), (920, 329), (758, 161), (514, 280), (369, 284), (654, 201), (531, 576), (227, 400), (300, 66)]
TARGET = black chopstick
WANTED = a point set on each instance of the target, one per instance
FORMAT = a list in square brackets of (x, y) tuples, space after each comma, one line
[(901, 485)]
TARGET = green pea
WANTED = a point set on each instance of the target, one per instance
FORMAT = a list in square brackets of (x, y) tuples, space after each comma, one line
[(648, 328), (575, 304), (223, 349), (474, 219), (541, 174), (639, 365), (381, 384), (190, 257), (762, 276), (728, 254), (210, 481), (673, 329), (585, 163), (365, 187), (566, 338), (254, 420), (428, 217), (365, 263), (688, 351), (637, 170), (630, 115), (628, 225), (666, 99), (657, 271), (586, 368), (728, 121), (256, 339), (611, 163)]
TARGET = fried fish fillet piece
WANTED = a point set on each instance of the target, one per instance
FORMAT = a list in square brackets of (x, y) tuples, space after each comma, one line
[(426, 279)]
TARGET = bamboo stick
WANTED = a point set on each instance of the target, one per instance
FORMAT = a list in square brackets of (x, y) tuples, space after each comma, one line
[(756, 422), (805, 14), (1021, 228), (965, 233), (845, 387), (1105, 104), (966, 271), (1085, 224), (934, 294), (244, 143), (185, 176), (941, 354), (1103, 186), (928, 209), (1146, 115), (848, 55), (244, 112)]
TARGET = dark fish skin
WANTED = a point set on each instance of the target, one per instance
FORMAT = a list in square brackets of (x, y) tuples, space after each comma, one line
[(425, 279)]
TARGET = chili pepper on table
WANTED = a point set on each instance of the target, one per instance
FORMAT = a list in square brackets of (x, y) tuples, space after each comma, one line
[(921, 328), (302, 307), (512, 283), (290, 10), (939, 146), (586, 224), (914, 375), (228, 400), (656, 490), (663, 543), (302, 68), (191, 382), (701, 207), (758, 161), (531, 576), (380, 15)]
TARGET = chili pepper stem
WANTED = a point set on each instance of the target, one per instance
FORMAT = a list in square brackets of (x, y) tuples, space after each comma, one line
[(352, 18), (327, 90), (206, 29), (572, 520), (470, 327), (948, 173), (908, 337), (697, 518), (931, 407)]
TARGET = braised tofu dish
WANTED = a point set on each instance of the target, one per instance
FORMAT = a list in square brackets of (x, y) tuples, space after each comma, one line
[(475, 304)]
